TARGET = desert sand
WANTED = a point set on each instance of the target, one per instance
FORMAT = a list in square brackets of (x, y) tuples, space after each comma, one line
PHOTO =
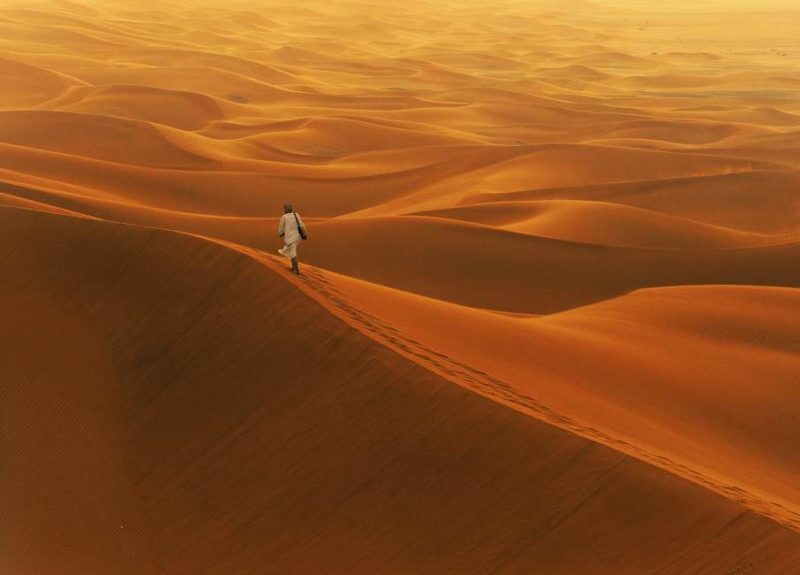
[(548, 315)]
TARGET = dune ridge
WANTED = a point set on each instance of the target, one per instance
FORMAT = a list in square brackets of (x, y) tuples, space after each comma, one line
[(423, 329)]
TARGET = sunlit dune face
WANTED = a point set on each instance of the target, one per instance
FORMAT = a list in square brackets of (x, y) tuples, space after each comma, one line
[(549, 300), (446, 102)]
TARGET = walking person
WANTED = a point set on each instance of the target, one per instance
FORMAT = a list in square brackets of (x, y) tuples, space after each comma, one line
[(292, 230)]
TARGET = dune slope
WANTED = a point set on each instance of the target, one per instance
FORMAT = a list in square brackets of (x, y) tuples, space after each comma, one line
[(635, 373), (315, 457)]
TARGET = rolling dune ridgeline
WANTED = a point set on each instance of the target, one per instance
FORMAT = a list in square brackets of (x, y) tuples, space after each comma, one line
[(547, 320)]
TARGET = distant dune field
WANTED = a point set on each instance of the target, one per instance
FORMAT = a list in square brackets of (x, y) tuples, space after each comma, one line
[(548, 316)]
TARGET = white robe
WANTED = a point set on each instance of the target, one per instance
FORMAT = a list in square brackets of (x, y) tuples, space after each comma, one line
[(291, 235)]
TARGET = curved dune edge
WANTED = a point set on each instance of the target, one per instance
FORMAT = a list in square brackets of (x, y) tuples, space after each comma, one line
[(604, 223), (577, 370), (541, 275), (336, 188), (496, 269), (762, 202), (228, 382)]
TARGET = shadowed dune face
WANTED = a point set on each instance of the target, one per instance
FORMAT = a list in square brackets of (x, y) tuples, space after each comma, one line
[(548, 323)]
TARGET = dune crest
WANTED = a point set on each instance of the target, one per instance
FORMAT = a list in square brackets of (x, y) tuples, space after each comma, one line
[(603, 400)]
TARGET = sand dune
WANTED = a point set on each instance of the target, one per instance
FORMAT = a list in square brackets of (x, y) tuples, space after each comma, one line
[(745, 329), (356, 184), (27, 85), (559, 166), (245, 67), (604, 223), (759, 201), (345, 136), (185, 464), (183, 110), (682, 132), (547, 316), (95, 136), (461, 262), (614, 60), (774, 116)]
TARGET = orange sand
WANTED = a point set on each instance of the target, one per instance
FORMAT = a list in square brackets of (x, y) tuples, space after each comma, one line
[(548, 316)]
